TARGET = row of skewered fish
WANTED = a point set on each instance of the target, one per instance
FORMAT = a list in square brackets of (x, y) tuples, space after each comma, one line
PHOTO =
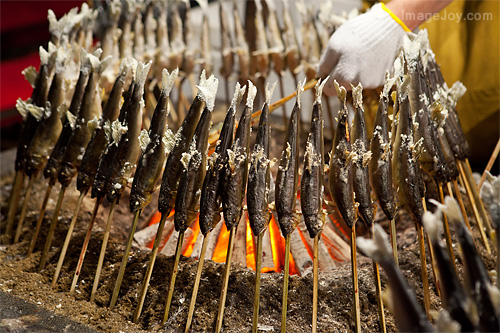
[(102, 145)]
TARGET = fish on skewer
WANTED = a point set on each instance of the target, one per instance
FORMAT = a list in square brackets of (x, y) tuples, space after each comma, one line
[(210, 200), (125, 157), (258, 189), (311, 188), (31, 110), (78, 139), (286, 191), (361, 157), (341, 187), (177, 45), (234, 181), (155, 145), (227, 54), (291, 51), (260, 57), (129, 11), (206, 60), (454, 298), (241, 48), (407, 312), (163, 49), (478, 280), (95, 149), (194, 163)]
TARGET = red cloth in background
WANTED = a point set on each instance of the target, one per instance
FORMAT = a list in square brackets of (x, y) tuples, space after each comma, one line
[(24, 27)]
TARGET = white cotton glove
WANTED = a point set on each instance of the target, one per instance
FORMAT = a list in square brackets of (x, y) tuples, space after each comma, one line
[(361, 50)]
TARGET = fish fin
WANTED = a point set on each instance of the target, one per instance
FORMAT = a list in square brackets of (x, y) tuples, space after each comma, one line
[(144, 140), (208, 89), (269, 92), (377, 248), (238, 96), (319, 89), (30, 74), (341, 92), (44, 56), (357, 96), (168, 80), (142, 72), (252, 92), (70, 117)]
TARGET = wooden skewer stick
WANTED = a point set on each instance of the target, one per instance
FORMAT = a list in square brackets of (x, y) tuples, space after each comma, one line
[(474, 208), (40, 219), (490, 163), (23, 210), (68, 238), (14, 199), (85, 244), (227, 271), (315, 284), (149, 269), (282, 92), (423, 264), (52, 229), (477, 198), (460, 202), (123, 265), (447, 234), (355, 289), (175, 270), (197, 282), (435, 271), (103, 250), (256, 299), (380, 303), (286, 273), (394, 240)]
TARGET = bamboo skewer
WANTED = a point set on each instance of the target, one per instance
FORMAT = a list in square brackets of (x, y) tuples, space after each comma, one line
[(103, 250), (52, 229), (285, 284), (175, 270), (315, 284), (85, 244), (447, 234), (380, 304), (197, 282), (394, 240), (14, 199), (149, 269), (23, 210), (227, 271), (67, 239), (256, 299), (40, 219), (423, 264), (282, 92), (123, 265), (460, 203), (491, 161), (477, 198), (355, 289), (474, 208)]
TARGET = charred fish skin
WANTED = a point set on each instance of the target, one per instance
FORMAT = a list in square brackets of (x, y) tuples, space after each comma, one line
[(81, 134), (235, 176), (288, 170), (478, 280), (454, 298), (311, 185), (53, 166), (128, 147), (405, 169), (183, 137), (38, 99), (340, 179), (106, 167), (380, 164), (194, 166), (361, 158), (210, 200), (430, 159), (48, 131), (154, 154), (98, 143), (408, 314), (259, 174)]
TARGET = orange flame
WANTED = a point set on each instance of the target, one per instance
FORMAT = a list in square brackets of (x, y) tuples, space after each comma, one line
[(195, 228)]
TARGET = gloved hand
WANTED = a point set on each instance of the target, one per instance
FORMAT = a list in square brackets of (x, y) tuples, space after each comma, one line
[(362, 49)]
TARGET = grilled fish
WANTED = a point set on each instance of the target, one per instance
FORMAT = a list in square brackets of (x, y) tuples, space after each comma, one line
[(194, 163), (311, 185), (287, 178), (259, 175), (361, 156), (340, 179), (210, 202), (155, 146)]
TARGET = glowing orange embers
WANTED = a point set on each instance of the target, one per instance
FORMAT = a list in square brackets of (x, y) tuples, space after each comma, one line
[(245, 244)]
